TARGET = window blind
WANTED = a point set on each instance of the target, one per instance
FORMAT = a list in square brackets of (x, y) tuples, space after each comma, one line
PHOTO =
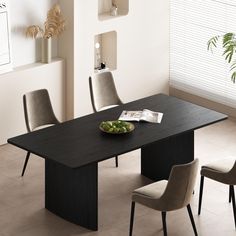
[(192, 68)]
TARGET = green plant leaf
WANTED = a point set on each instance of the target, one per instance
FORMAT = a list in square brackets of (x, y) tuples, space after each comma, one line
[(228, 53), (212, 43), (229, 46), (233, 66), (233, 77)]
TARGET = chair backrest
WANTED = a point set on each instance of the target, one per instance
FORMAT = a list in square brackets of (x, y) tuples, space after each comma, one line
[(180, 186), (103, 91), (38, 109)]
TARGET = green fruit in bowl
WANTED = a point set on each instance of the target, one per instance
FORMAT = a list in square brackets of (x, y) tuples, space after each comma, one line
[(116, 130), (106, 127), (116, 127), (111, 130), (129, 127), (109, 123), (123, 129)]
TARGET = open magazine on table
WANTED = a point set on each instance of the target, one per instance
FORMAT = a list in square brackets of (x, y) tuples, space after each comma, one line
[(144, 115)]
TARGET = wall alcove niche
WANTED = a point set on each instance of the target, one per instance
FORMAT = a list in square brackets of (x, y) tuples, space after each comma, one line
[(104, 9), (105, 51)]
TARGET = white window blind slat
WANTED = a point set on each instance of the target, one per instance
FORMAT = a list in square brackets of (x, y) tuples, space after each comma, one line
[(193, 68)]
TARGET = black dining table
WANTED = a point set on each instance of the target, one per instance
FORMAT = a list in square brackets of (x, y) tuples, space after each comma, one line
[(73, 149)]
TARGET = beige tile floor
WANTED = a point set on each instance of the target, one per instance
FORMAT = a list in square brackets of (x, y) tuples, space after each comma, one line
[(22, 210)]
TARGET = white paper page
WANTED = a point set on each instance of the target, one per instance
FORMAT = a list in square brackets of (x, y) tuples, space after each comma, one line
[(130, 115), (151, 116)]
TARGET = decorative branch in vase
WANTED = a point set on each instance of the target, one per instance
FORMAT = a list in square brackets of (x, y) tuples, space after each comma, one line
[(53, 27), (228, 42)]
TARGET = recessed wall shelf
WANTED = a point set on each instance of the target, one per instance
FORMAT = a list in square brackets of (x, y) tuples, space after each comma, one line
[(105, 51), (105, 6)]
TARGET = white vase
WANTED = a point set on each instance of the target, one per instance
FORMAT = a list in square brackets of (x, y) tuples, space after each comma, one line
[(114, 11), (46, 50)]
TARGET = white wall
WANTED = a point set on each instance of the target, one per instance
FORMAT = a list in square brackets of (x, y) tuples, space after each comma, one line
[(67, 49), (25, 13), (142, 50)]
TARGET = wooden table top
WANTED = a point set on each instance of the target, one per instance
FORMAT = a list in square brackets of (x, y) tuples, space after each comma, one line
[(79, 142)]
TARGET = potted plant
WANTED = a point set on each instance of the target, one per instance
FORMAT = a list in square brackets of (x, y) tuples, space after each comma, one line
[(53, 27), (228, 42)]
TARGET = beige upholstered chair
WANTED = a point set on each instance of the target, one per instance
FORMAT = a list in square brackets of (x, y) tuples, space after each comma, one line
[(38, 113), (223, 171), (168, 195), (103, 93)]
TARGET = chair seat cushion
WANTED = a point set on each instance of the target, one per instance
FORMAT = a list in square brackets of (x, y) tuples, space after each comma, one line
[(220, 171), (154, 190), (107, 107), (149, 194), (43, 127), (224, 165)]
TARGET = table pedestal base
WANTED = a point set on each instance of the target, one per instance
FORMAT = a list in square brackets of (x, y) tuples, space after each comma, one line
[(158, 158), (72, 193)]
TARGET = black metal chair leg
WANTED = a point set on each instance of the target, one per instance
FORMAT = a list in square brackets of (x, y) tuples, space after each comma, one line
[(116, 161), (25, 164), (131, 219), (163, 214), (233, 202), (192, 219), (230, 194), (200, 195)]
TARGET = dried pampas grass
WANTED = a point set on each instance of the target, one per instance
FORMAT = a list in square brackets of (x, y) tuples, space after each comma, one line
[(53, 26), (33, 31)]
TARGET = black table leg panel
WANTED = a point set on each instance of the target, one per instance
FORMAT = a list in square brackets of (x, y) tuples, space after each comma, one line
[(158, 158), (72, 193)]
